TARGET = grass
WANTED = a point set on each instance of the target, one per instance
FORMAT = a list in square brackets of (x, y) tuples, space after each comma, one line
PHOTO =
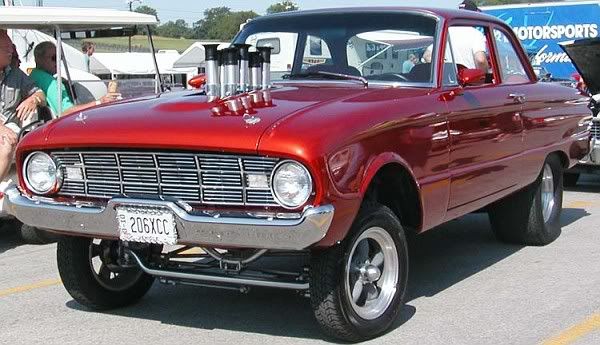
[(138, 43)]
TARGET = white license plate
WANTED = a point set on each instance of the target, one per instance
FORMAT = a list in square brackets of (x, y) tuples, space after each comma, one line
[(146, 225)]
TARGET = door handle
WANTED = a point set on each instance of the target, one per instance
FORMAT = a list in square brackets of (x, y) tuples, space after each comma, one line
[(518, 97)]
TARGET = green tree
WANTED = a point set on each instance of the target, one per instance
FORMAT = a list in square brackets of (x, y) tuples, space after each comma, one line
[(147, 10), (175, 29), (283, 6), (220, 23)]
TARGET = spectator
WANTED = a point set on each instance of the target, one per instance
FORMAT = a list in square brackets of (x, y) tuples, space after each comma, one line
[(19, 99), (409, 64), (43, 75), (469, 44), (88, 49), (426, 58)]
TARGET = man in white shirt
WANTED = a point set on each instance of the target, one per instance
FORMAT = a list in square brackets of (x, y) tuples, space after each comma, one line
[(469, 45)]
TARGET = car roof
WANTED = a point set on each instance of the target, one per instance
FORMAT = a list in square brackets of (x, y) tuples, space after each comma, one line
[(69, 18), (445, 13)]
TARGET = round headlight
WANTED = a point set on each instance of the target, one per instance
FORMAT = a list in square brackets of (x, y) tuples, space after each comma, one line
[(291, 184), (41, 173)]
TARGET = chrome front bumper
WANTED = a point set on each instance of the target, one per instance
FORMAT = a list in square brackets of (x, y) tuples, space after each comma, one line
[(276, 231)]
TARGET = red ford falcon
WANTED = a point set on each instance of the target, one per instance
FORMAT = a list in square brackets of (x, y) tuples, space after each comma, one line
[(325, 136)]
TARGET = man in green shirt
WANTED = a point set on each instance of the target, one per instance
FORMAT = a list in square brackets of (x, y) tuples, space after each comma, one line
[(43, 76)]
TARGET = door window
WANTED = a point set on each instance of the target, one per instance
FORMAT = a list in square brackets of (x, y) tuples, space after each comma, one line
[(470, 48), (511, 67)]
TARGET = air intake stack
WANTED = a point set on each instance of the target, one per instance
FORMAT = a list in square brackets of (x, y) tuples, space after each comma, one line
[(244, 84), (255, 71), (265, 54), (213, 89)]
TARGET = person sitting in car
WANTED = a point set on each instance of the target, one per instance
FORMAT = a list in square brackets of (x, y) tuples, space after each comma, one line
[(43, 76)]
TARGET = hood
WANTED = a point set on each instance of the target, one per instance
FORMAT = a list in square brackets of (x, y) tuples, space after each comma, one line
[(183, 121), (585, 55)]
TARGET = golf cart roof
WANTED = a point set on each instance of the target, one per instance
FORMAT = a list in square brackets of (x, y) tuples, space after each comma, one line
[(69, 18)]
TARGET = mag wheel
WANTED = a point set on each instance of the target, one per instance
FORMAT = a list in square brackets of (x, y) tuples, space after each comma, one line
[(92, 275), (357, 288)]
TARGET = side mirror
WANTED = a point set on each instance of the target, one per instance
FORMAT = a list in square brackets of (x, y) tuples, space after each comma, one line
[(468, 76), (197, 81)]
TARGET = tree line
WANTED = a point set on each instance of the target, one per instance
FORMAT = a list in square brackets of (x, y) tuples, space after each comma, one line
[(218, 23), (222, 23)]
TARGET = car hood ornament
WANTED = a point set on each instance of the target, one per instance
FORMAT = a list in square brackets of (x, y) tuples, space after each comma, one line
[(251, 119)]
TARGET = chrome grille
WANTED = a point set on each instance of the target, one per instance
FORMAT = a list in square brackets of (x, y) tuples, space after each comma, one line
[(194, 178), (595, 130)]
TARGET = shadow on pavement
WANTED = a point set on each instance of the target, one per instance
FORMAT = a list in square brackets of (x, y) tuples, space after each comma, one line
[(445, 256), (571, 215), (9, 235), (440, 258)]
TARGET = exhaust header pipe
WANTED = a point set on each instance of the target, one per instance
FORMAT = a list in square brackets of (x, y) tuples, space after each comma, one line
[(213, 90)]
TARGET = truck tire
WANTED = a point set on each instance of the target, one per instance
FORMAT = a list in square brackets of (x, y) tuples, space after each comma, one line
[(357, 288), (532, 215), (570, 179), (107, 288)]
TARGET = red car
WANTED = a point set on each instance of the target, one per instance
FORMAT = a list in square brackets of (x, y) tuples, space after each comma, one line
[(391, 121)]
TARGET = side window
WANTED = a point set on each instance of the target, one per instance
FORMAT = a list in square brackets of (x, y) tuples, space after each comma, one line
[(316, 52), (511, 67), (274, 43), (470, 48), (449, 77)]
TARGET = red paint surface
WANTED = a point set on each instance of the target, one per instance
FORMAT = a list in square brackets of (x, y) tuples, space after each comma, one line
[(464, 148)]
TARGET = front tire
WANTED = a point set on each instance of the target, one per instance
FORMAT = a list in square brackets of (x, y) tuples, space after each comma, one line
[(357, 288), (92, 276), (532, 215)]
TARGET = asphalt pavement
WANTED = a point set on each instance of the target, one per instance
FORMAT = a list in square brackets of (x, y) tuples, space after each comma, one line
[(465, 288)]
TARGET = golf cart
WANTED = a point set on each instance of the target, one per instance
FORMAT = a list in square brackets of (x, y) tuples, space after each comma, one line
[(29, 26)]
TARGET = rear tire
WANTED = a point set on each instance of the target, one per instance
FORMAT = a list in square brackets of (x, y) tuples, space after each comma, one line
[(570, 179), (357, 288), (532, 215), (106, 289)]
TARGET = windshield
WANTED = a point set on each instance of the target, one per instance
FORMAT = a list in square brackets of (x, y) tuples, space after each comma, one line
[(381, 47)]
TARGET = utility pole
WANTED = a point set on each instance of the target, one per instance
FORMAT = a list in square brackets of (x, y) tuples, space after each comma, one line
[(40, 3), (130, 2)]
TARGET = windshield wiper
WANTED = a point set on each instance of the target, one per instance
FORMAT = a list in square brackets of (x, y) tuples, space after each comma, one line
[(328, 74)]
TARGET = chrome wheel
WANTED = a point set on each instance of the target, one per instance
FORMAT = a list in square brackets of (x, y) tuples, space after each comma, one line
[(106, 270), (372, 273), (547, 192)]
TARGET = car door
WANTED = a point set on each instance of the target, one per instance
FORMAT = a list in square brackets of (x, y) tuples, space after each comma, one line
[(485, 131)]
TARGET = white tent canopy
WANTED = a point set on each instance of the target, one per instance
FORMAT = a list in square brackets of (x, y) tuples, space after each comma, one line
[(135, 63), (194, 55), (69, 18)]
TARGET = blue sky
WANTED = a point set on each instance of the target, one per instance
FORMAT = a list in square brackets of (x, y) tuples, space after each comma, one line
[(191, 10)]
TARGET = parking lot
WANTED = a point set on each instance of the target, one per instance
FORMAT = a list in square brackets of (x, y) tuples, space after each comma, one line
[(465, 288)]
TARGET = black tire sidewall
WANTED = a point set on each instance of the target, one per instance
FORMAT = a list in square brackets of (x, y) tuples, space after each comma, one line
[(76, 274), (382, 217)]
